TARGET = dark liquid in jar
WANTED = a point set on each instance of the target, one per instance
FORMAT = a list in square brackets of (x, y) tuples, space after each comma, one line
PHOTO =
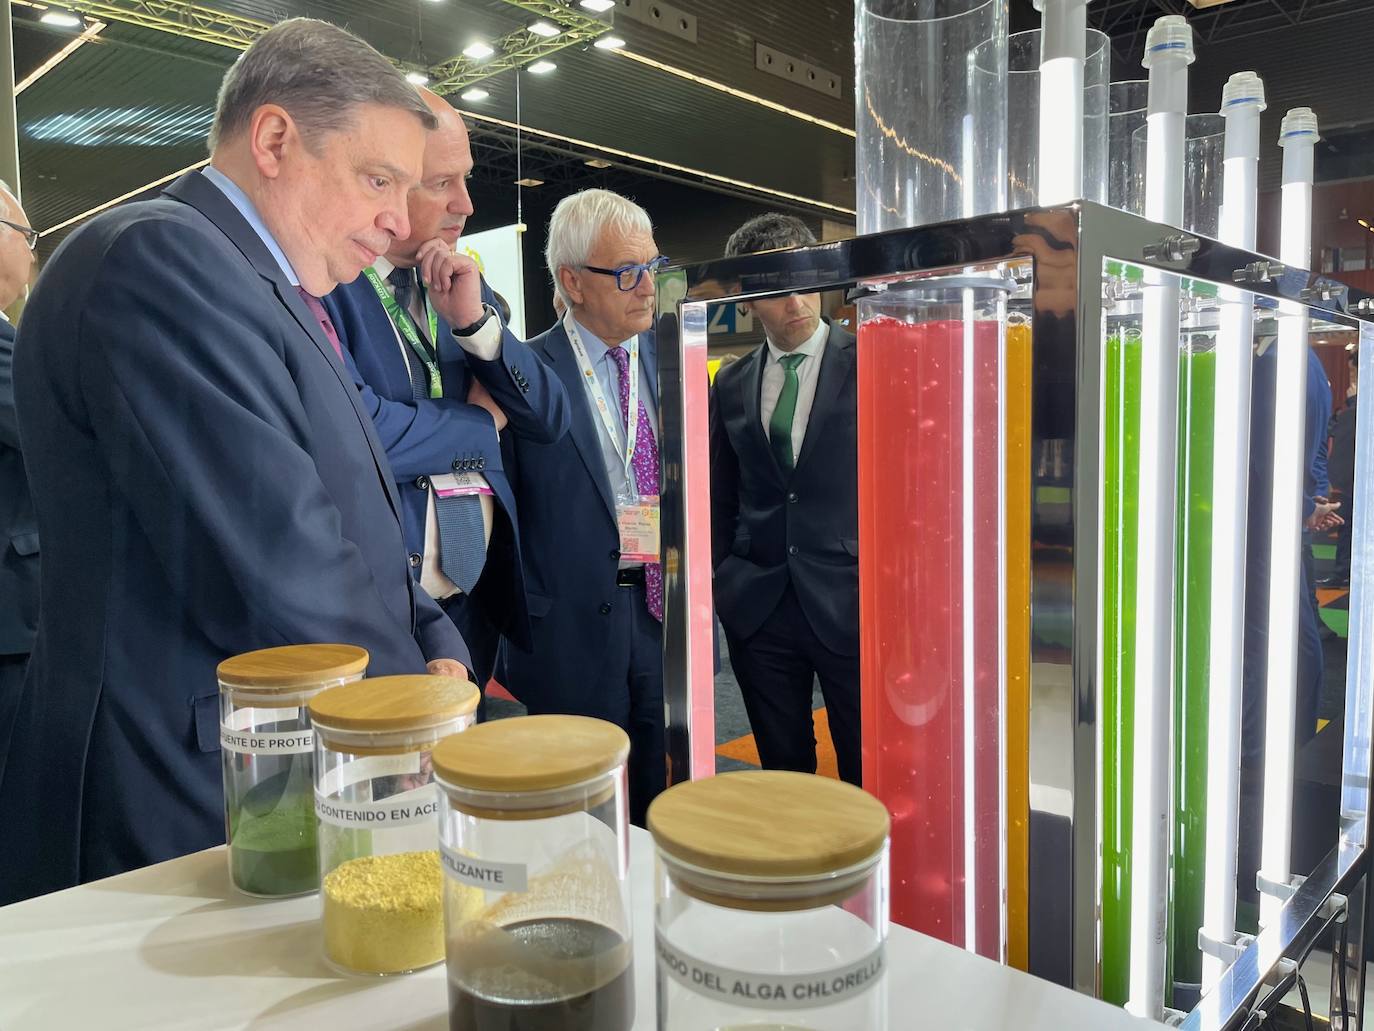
[(499, 993)]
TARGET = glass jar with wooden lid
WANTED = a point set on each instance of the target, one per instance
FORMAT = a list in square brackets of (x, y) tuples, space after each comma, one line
[(772, 903), (267, 747), (535, 851), (378, 830)]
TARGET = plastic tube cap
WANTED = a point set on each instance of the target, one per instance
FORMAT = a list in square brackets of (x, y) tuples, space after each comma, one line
[(1299, 126), (1039, 5), (1169, 35), (1242, 88)]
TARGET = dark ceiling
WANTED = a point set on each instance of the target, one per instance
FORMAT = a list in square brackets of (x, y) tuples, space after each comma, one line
[(131, 106)]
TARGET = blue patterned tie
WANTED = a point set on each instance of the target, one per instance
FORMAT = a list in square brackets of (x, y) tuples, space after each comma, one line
[(462, 539)]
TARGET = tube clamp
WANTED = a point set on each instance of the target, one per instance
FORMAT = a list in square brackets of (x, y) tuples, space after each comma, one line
[(1226, 951)]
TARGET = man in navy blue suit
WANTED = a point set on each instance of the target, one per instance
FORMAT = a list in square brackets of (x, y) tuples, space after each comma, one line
[(785, 519), (443, 378), (589, 502), (205, 477), (18, 530)]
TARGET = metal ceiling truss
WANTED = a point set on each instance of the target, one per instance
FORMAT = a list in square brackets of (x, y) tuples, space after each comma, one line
[(207, 25), (520, 47), (177, 17), (1128, 22)]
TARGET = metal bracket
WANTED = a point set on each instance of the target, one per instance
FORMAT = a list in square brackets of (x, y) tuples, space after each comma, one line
[(1317, 293), (1262, 271), (1177, 247), (1336, 908), (1173, 1017), (1364, 306), (1226, 951), (1278, 889)]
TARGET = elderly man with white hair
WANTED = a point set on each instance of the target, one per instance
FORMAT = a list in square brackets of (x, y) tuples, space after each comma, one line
[(589, 502)]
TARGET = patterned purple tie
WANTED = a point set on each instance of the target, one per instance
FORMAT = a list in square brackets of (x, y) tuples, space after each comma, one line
[(645, 465), (317, 309)]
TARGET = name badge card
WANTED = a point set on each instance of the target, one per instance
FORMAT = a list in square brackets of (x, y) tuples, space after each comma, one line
[(637, 518), (459, 485)]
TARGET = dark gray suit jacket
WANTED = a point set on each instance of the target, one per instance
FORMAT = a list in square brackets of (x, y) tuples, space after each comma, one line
[(206, 483)]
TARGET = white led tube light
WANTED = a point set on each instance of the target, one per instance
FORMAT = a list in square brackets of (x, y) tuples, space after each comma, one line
[(1063, 49), (1297, 138), (1241, 104), (1168, 52)]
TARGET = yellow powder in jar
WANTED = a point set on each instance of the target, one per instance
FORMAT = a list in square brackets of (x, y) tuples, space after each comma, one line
[(385, 914)]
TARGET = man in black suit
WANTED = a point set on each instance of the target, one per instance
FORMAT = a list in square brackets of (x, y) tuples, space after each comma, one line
[(784, 519), (18, 529), (206, 479)]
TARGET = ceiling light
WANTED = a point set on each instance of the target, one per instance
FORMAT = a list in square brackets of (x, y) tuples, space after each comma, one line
[(598, 163), (547, 29), (1362, 222), (417, 78), (60, 18), (609, 43), (542, 67), (529, 181), (598, 5), (475, 94), (478, 51)]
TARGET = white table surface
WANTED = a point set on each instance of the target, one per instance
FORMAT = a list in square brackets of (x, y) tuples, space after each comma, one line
[(174, 946)]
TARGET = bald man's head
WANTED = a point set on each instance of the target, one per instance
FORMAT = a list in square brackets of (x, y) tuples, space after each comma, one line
[(439, 206)]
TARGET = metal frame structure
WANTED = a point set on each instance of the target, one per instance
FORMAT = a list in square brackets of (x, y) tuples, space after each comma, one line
[(1068, 247)]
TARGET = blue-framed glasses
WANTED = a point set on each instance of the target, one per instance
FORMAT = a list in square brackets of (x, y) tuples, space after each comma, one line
[(627, 277)]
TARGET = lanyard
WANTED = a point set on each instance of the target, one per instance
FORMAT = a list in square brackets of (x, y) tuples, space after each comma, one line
[(405, 325), (584, 364)]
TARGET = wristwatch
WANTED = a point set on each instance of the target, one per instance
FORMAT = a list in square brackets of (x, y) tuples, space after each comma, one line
[(466, 331)]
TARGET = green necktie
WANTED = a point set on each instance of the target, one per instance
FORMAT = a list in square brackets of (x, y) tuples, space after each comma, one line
[(780, 425)]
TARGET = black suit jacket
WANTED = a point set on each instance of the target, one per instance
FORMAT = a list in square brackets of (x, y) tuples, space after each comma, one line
[(768, 528), (206, 482), (18, 528)]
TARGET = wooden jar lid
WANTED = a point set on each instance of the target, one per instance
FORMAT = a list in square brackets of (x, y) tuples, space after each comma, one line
[(293, 666), (394, 703), (768, 823), (531, 753)]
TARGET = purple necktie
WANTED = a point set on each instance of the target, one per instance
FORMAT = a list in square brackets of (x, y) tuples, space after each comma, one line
[(317, 309), (645, 465)]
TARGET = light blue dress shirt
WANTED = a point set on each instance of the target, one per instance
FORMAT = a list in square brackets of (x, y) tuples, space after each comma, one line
[(245, 208), (608, 375)]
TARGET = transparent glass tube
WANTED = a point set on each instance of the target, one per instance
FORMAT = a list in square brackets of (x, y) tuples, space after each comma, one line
[(1023, 115), (1204, 153), (931, 127), (1129, 102), (931, 363)]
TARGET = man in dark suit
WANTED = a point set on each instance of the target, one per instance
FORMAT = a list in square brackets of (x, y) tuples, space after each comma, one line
[(784, 519), (589, 502), (440, 413), (205, 477), (18, 529)]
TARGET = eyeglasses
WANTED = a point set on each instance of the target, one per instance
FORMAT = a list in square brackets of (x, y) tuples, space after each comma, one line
[(30, 235), (627, 277)]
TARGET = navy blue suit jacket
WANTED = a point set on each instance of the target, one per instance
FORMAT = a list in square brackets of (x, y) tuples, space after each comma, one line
[(18, 528), (770, 528), (571, 545), (206, 482), (438, 435)]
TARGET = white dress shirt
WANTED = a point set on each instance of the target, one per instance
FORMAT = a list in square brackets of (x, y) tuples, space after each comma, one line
[(808, 370), (486, 345)]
